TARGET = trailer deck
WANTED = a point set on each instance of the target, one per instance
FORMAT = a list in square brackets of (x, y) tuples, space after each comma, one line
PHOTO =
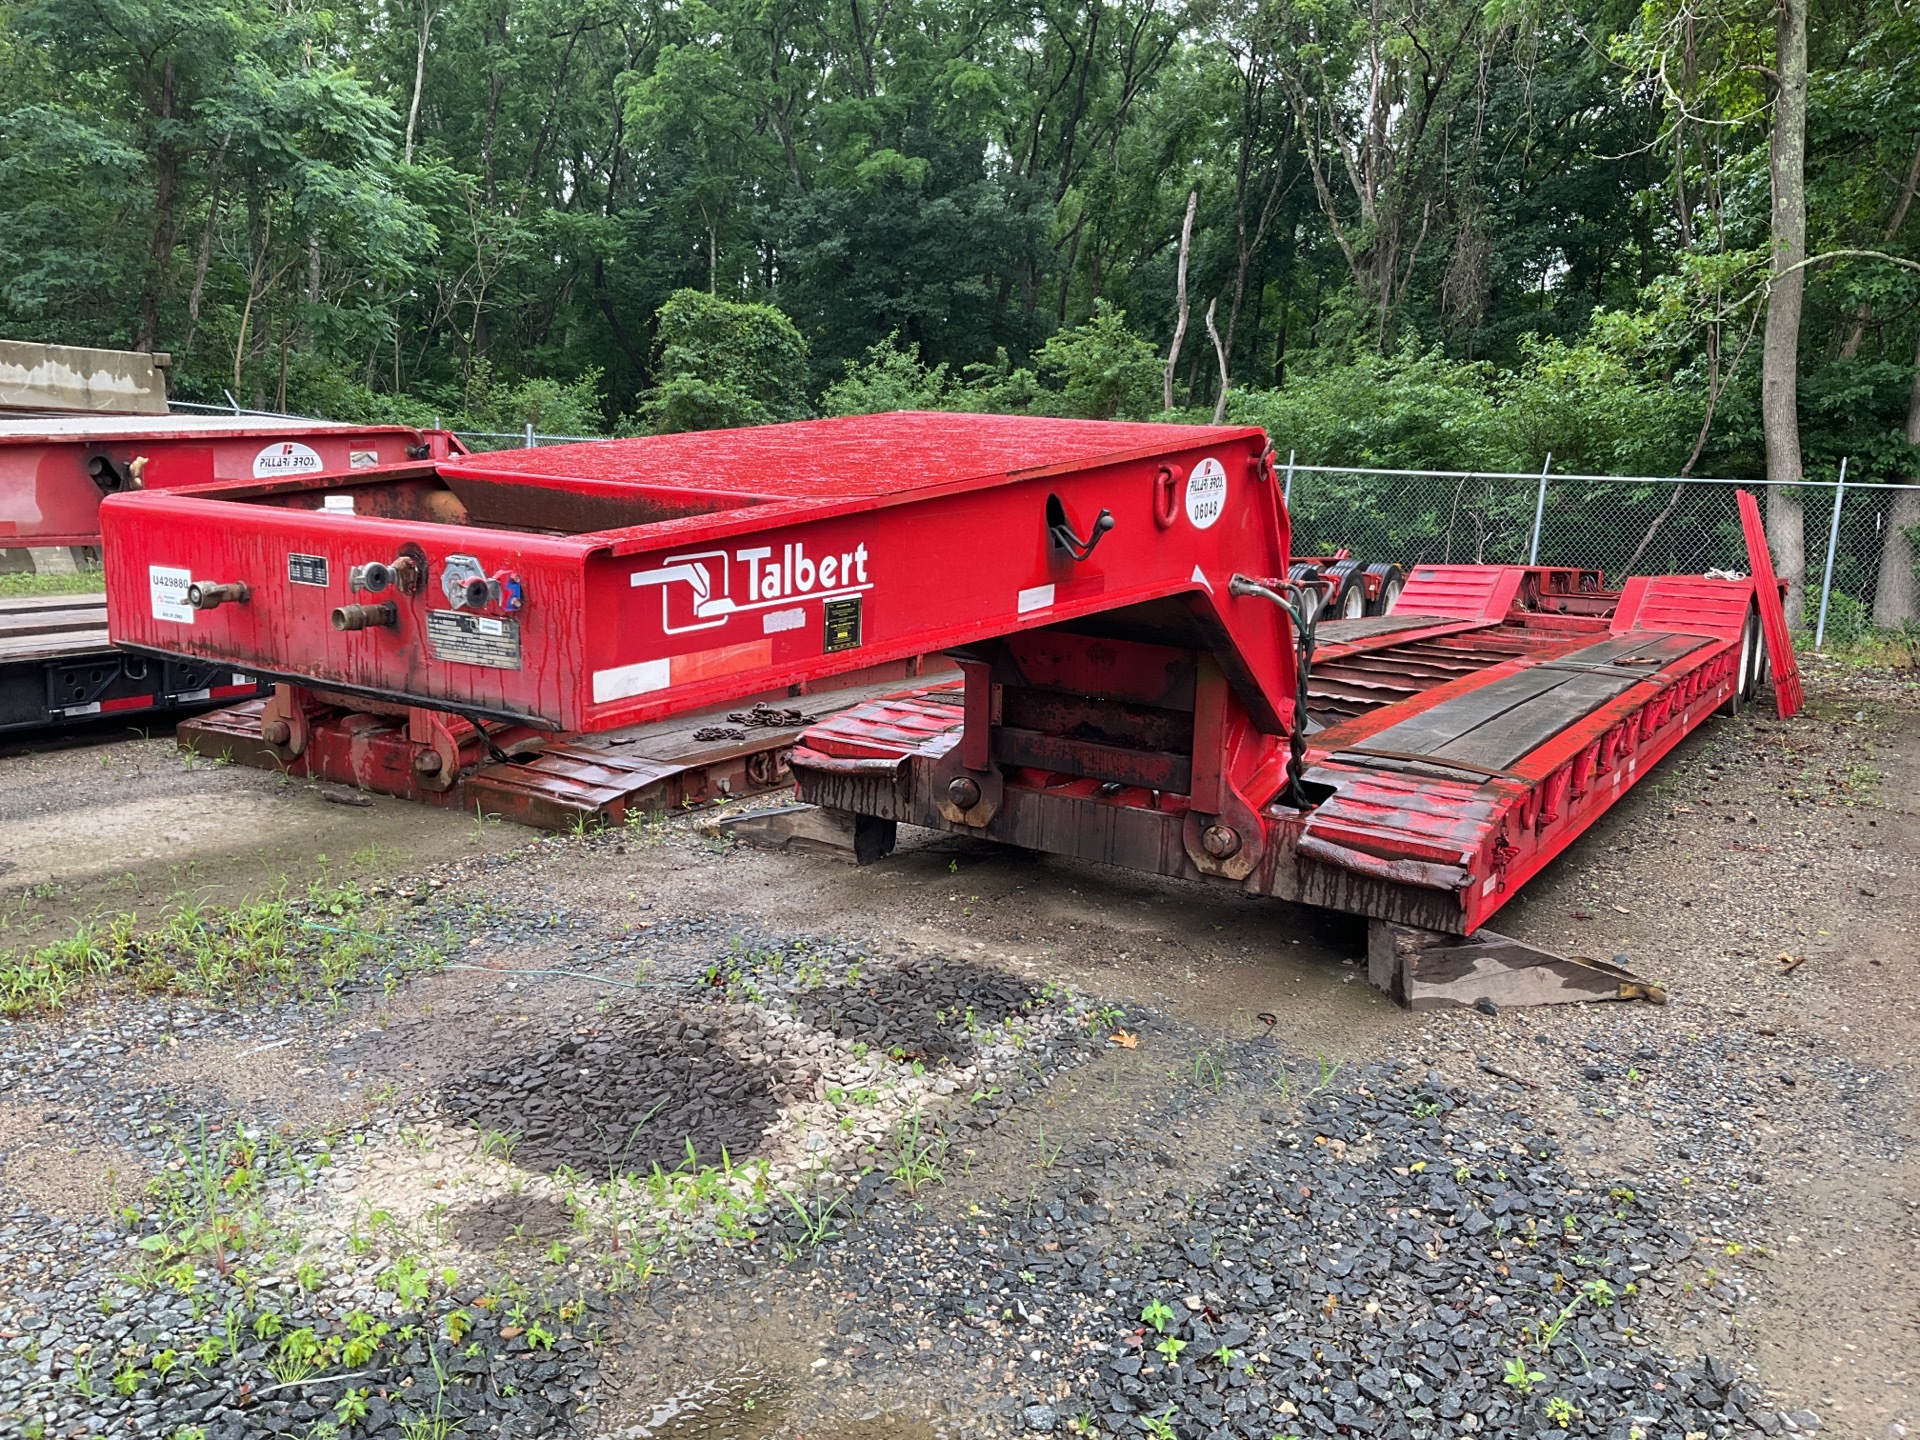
[(1139, 682)]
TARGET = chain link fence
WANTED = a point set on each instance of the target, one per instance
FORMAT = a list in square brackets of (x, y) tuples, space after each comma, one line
[(1623, 525)]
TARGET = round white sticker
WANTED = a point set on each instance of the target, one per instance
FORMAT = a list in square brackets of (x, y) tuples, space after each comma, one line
[(286, 457), (1206, 493)]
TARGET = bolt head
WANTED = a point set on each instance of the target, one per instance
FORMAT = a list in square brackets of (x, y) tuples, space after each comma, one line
[(276, 732), (964, 792), (1221, 841), (427, 762)]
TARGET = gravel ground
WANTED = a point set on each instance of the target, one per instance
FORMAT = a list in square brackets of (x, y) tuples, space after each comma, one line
[(642, 1136)]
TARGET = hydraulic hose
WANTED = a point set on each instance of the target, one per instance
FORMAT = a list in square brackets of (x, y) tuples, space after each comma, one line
[(1291, 597)]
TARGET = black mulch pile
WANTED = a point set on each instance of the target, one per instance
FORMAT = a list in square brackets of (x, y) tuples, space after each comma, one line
[(916, 1010), (621, 1101)]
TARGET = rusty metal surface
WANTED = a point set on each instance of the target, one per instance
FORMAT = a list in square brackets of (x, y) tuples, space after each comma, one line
[(1427, 970), (518, 774)]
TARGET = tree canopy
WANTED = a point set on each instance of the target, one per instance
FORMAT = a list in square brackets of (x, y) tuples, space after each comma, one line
[(1447, 232)]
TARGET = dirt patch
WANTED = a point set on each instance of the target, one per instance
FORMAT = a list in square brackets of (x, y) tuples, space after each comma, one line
[(281, 1076), (511, 1219), (43, 1165), (135, 825)]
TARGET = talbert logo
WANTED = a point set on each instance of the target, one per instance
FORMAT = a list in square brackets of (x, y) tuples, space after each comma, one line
[(698, 590)]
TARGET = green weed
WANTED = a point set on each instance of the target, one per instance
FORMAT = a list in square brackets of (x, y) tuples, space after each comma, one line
[(216, 951), (1520, 1377)]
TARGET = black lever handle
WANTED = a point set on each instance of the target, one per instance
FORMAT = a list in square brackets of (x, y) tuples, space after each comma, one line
[(1061, 532)]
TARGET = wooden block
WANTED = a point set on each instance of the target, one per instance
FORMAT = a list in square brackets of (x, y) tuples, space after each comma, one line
[(1428, 970), (862, 838)]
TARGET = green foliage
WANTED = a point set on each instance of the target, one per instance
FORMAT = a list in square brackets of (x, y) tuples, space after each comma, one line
[(890, 376), (1521, 1377), (314, 944), (552, 407), (1101, 370), (724, 363), (1506, 237)]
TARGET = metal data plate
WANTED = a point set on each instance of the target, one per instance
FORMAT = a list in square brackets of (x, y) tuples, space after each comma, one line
[(307, 570), (842, 624), (474, 639)]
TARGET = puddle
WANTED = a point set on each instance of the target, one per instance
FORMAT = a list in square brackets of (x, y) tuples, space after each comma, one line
[(742, 1406)]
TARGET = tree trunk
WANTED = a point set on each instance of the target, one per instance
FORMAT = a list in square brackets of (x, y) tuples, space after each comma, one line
[(1896, 599), (1180, 302), (1780, 356), (1856, 335), (419, 78), (206, 244), (1220, 354), (166, 185)]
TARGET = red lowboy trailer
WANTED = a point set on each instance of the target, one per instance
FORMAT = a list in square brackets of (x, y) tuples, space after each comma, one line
[(1139, 683)]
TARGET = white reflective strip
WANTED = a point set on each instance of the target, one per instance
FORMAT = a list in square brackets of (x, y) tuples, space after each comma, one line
[(93, 709), (624, 680), (240, 679), (1038, 598), (194, 695), (774, 621)]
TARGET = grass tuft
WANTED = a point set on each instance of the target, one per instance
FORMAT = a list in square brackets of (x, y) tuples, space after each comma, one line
[(312, 945), (22, 584)]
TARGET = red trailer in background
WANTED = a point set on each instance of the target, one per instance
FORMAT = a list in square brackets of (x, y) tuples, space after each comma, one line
[(1141, 682), (54, 469), (57, 462)]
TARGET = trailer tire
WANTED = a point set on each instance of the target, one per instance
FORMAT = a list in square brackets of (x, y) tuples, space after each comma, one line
[(1347, 598), (1392, 581), (1762, 661)]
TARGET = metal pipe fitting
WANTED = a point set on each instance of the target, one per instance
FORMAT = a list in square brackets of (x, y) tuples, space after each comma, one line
[(204, 595), (372, 577), (401, 573), (381, 614)]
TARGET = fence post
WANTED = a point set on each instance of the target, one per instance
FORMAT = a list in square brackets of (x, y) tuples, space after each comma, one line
[(1286, 493), (1539, 512), (1833, 543), (529, 435)]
